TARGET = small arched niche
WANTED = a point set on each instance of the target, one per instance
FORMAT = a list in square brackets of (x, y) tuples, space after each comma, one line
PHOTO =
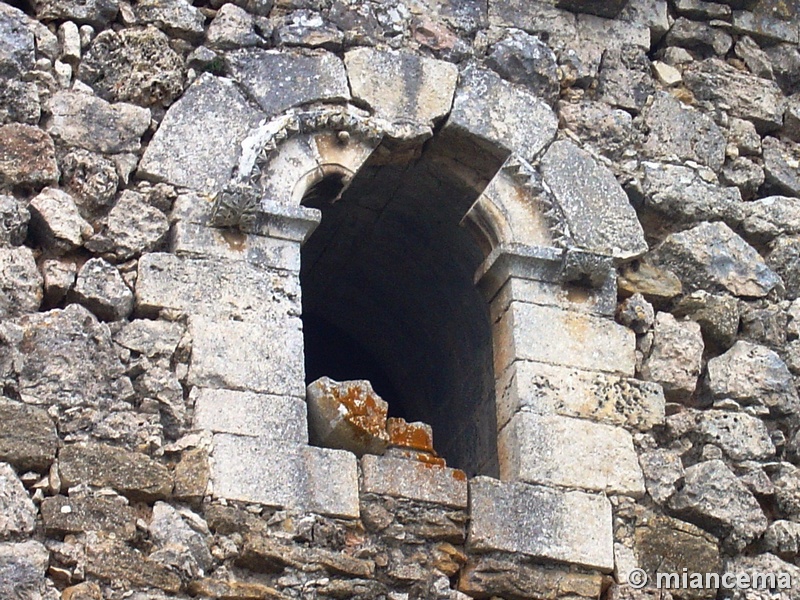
[(389, 296)]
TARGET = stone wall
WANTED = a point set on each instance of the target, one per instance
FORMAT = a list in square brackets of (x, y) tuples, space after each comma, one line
[(604, 200)]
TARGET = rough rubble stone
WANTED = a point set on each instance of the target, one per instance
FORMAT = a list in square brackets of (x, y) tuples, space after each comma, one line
[(200, 153), (348, 415), (19, 102), (791, 119), (572, 453), (624, 79), (97, 13), (756, 59), (539, 521), (176, 17), (678, 131), (588, 193), (28, 438), (131, 473), (56, 222), (717, 315), (653, 14), (684, 196), (739, 435), (767, 24), (17, 512), (607, 130), (281, 80), (413, 479), (192, 475), (787, 574), (150, 338), (770, 217), (699, 36), (232, 27), (169, 529), (526, 60), (784, 259), (637, 313), (27, 157), (132, 228), (401, 86), (753, 374), (711, 257), (16, 42), (744, 136), (100, 288), (662, 471), (22, 569), (134, 65), (66, 358), (59, 277), (84, 121), (713, 498), (783, 539), (666, 545), (483, 107), (20, 282), (744, 174), (676, 358), (786, 479), (782, 166), (63, 515), (750, 97), (14, 218)]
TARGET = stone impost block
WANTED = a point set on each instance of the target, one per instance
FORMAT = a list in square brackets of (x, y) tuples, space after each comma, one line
[(571, 527), (283, 474), (218, 288), (401, 85), (567, 452), (549, 389), (199, 140), (266, 357), (560, 337), (250, 414), (413, 479), (193, 240)]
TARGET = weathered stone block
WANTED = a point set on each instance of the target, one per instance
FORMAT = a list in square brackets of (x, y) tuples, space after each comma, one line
[(588, 194), (267, 358), (100, 288), (97, 13), (17, 512), (676, 357), (200, 153), (250, 414), (192, 475), (132, 473), (17, 46), (567, 452), (220, 288), (91, 123), (22, 569), (110, 560), (281, 80), (560, 337), (541, 522), (79, 515), (402, 86), (485, 105), (549, 389), (193, 240), (56, 222), (413, 479), (28, 438), (20, 282), (286, 475)]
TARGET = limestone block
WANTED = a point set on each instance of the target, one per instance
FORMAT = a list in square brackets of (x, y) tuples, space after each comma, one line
[(250, 414), (27, 156), (193, 240), (499, 116), (132, 473), (17, 512), (216, 288), (413, 479), (176, 17), (131, 228), (348, 415), (89, 122), (281, 80), (94, 12), (549, 389), (28, 438), (78, 515), (571, 339), (588, 194), (277, 474), (567, 452), (200, 153), (56, 221), (100, 288), (402, 86), (17, 46), (676, 357), (22, 567), (20, 282), (267, 358), (542, 522)]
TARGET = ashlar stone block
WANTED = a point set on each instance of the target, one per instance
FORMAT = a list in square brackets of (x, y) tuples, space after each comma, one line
[(568, 452), (413, 479), (541, 522)]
